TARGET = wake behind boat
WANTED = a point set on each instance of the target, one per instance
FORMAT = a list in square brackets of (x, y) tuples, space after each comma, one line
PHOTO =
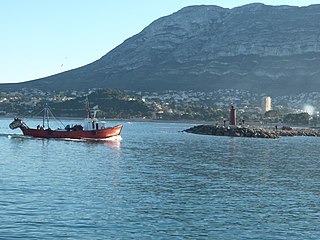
[(92, 128)]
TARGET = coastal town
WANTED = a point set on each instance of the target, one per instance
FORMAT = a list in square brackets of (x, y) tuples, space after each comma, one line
[(180, 105)]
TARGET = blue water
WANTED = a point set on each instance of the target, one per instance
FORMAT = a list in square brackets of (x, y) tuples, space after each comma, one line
[(159, 183)]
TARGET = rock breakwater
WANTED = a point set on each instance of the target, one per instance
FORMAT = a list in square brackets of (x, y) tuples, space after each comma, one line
[(253, 132)]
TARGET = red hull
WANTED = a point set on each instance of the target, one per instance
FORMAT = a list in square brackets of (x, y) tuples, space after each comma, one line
[(80, 134)]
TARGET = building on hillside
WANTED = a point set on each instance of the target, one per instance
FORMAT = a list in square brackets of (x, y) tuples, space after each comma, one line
[(266, 104)]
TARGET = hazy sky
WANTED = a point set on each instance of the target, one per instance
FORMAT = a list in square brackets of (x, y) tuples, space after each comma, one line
[(42, 37)]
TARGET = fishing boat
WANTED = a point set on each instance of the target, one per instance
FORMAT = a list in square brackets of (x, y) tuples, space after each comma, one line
[(92, 129)]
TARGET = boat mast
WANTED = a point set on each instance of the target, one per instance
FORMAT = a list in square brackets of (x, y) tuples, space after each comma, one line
[(88, 108), (45, 115)]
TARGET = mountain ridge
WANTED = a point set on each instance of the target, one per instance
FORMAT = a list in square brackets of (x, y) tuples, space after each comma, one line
[(254, 47)]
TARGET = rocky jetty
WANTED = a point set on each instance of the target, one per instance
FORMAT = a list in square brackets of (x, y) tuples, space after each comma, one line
[(253, 132)]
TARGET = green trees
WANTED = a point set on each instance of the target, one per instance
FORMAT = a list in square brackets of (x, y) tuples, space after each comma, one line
[(111, 103), (297, 118)]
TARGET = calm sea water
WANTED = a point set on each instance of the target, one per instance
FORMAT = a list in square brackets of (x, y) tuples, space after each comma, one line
[(159, 183)]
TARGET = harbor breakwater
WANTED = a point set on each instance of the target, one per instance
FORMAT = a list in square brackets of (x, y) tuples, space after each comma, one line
[(253, 132)]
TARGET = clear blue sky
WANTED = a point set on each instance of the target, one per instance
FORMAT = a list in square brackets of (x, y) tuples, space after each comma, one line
[(42, 37)]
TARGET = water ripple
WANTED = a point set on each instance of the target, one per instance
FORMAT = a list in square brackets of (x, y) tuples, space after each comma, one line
[(158, 183)]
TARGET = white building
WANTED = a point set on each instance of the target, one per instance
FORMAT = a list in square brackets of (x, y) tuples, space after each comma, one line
[(266, 104)]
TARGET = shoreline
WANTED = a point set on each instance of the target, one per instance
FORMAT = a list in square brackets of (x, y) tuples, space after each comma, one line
[(250, 125), (122, 120)]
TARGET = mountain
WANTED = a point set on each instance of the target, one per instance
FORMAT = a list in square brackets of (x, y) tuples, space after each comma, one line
[(256, 47)]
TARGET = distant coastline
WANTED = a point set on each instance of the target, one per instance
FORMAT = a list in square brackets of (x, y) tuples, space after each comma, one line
[(123, 119), (187, 121)]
